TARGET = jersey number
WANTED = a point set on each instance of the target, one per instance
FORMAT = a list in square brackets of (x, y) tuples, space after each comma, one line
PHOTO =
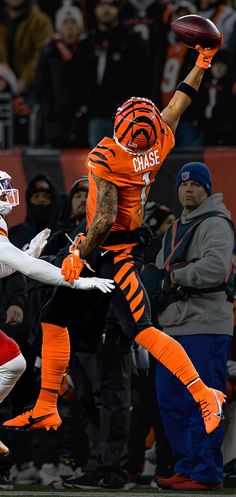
[(144, 193)]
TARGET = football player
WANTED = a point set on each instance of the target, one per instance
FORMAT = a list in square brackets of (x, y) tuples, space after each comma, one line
[(121, 171)]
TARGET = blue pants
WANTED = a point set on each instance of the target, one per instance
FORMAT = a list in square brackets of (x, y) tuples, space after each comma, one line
[(195, 453)]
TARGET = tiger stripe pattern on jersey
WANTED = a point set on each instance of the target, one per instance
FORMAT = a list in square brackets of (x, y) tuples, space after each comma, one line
[(100, 154)]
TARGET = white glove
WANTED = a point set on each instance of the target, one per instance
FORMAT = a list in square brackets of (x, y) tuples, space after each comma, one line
[(38, 243), (106, 286), (231, 367)]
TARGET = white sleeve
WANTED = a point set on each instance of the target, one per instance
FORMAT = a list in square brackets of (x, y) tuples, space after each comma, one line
[(37, 269), (5, 270)]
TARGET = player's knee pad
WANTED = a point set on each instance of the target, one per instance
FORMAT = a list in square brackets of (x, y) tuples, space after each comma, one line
[(14, 368), (10, 372)]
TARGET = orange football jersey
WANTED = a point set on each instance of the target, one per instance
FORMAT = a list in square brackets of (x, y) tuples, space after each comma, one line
[(132, 174)]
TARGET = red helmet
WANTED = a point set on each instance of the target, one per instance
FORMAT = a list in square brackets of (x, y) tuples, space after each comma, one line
[(137, 123)]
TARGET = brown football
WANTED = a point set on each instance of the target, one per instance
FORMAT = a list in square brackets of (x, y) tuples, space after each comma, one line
[(195, 30)]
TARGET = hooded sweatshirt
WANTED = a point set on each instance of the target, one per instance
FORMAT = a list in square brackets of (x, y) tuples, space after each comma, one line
[(37, 217), (211, 250)]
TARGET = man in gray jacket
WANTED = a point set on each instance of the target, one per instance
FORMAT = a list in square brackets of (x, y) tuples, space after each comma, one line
[(195, 309)]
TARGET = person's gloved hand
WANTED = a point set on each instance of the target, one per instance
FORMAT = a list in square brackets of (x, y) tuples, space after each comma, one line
[(231, 368), (206, 54), (38, 243), (72, 266), (102, 284)]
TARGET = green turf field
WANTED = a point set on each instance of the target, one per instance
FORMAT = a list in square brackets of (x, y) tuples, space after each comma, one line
[(39, 491)]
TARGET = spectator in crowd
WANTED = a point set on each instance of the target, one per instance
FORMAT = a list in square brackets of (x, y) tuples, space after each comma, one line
[(111, 57), (149, 18), (197, 312), (58, 83), (76, 222), (159, 218), (43, 210), (77, 199), (229, 446), (23, 31), (51, 7), (24, 28), (218, 93)]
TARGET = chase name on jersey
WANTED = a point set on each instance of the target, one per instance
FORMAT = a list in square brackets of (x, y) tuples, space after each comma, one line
[(142, 162)]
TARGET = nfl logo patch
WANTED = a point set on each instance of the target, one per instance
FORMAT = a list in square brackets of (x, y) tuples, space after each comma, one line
[(132, 145), (185, 175)]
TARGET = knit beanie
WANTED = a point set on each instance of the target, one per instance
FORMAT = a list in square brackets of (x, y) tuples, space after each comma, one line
[(68, 12), (195, 171), (79, 184), (155, 215)]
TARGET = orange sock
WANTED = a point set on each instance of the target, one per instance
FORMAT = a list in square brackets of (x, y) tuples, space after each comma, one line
[(172, 355), (55, 358)]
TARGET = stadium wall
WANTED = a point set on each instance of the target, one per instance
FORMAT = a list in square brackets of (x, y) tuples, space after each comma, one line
[(64, 167)]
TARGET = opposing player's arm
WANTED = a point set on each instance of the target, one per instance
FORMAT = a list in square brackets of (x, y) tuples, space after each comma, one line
[(107, 203), (187, 89), (43, 271)]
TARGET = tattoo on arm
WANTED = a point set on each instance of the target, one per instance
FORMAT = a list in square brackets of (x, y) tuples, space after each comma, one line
[(107, 202)]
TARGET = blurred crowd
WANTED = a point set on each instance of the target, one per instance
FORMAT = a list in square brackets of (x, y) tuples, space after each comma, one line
[(109, 400), (65, 66)]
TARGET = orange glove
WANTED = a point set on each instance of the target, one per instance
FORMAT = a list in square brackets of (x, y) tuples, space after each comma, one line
[(71, 267), (206, 54)]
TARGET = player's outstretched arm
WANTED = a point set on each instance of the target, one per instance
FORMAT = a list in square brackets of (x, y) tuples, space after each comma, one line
[(187, 89), (107, 202), (43, 271), (35, 248)]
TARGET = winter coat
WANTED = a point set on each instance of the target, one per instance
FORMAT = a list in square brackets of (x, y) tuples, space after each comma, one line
[(210, 253), (31, 34)]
